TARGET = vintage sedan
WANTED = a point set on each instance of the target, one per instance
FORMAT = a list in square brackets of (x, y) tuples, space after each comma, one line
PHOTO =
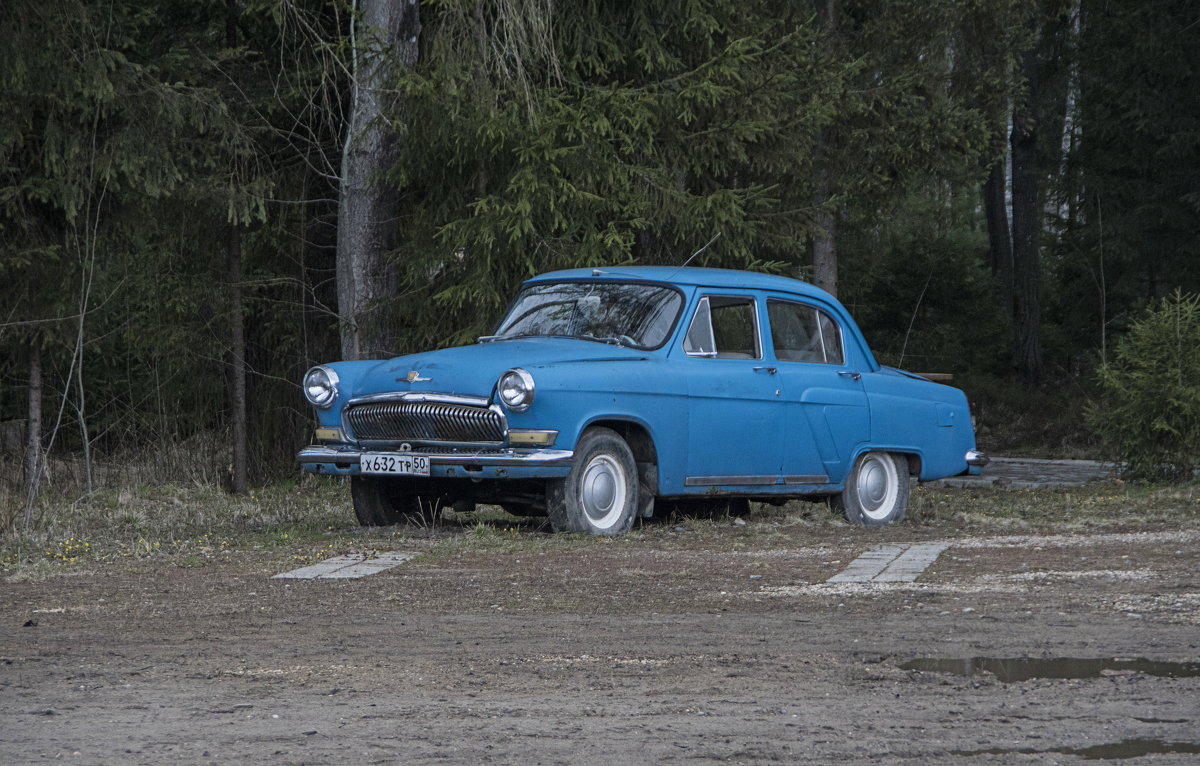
[(607, 395)]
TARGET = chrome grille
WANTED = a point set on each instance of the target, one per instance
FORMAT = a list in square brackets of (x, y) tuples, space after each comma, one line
[(426, 421)]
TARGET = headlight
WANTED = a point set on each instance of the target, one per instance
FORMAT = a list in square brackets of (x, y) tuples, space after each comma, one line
[(516, 390), (321, 386)]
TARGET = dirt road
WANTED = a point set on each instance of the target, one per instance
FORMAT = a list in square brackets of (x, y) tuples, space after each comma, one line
[(653, 649)]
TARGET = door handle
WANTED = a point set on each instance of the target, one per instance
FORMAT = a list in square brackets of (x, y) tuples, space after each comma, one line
[(759, 368), (851, 374)]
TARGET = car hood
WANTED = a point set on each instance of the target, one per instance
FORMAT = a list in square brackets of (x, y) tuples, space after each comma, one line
[(474, 370)]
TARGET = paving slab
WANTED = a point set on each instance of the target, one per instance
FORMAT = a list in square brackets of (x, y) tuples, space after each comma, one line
[(891, 563), (347, 567)]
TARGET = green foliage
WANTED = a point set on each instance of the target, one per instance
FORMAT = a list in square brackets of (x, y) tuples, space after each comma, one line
[(543, 134), (1150, 412), (920, 288), (137, 134), (1125, 196), (639, 130)]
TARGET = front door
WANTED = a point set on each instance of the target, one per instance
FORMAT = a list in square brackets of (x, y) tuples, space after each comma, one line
[(735, 423)]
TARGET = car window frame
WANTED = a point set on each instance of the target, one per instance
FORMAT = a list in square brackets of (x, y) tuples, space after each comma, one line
[(704, 303), (671, 331), (819, 313)]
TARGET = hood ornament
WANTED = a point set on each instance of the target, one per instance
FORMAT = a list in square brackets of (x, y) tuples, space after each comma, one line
[(415, 377)]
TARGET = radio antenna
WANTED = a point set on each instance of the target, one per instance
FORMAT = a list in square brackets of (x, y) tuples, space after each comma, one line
[(693, 256)]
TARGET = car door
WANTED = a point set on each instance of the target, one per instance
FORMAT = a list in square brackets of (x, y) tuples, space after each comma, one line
[(734, 424), (827, 413)]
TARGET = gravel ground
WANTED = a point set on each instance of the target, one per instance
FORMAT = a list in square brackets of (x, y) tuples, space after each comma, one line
[(675, 648)]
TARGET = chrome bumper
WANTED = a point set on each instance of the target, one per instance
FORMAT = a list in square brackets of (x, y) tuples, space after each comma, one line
[(977, 459), (347, 457)]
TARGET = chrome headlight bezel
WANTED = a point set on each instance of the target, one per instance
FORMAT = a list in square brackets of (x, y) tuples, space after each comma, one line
[(515, 390), (321, 386)]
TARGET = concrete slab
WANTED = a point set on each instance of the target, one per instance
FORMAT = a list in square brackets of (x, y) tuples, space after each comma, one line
[(347, 567), (891, 563)]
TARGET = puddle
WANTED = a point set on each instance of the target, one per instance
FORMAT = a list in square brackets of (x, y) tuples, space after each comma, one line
[(1128, 748), (1016, 669)]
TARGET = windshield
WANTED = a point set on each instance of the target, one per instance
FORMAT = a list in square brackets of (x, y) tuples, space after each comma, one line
[(625, 314)]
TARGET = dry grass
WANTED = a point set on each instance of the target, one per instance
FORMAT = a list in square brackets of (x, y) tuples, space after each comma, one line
[(149, 521), (1108, 505), (311, 519)]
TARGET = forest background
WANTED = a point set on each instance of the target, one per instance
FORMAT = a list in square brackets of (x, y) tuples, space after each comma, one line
[(200, 200)]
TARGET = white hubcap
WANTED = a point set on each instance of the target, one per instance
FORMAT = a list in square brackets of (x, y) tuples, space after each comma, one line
[(602, 491), (878, 484)]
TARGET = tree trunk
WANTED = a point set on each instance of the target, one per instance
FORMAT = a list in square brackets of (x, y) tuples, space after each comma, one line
[(387, 32), (237, 363), (238, 470), (1026, 306), (825, 265), (824, 246), (995, 205), (33, 433)]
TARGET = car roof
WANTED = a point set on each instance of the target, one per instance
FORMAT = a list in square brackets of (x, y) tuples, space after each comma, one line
[(690, 275)]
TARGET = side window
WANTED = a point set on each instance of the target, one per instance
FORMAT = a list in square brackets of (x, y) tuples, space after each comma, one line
[(699, 340), (724, 328), (804, 334), (831, 336)]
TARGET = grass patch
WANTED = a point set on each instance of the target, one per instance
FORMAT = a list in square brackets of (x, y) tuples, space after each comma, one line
[(192, 525), (1111, 505), (298, 523)]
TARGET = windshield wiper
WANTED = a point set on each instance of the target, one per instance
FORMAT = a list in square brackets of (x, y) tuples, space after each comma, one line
[(489, 338), (622, 340), (619, 340)]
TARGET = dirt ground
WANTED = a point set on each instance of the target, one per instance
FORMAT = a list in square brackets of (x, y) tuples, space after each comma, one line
[(654, 649)]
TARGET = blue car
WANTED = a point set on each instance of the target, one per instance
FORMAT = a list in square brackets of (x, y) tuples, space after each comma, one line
[(607, 395)]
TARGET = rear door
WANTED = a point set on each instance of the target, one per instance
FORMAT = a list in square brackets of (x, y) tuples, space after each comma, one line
[(827, 413)]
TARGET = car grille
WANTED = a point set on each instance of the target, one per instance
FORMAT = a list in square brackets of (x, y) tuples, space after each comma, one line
[(426, 421)]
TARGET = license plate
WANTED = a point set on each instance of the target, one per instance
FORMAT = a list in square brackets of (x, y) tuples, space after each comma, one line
[(394, 464)]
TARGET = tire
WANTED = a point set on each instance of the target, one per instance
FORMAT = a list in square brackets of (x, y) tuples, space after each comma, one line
[(600, 494), (381, 501), (876, 490)]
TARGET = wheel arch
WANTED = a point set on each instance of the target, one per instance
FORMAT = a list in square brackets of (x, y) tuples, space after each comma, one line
[(910, 454), (641, 442)]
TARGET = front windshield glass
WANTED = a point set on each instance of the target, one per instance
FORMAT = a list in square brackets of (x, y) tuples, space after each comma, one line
[(624, 314)]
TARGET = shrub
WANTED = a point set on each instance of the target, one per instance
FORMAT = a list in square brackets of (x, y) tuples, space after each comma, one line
[(1149, 415)]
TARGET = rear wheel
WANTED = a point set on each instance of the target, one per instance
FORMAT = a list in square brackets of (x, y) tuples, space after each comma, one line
[(876, 490), (381, 500), (600, 493)]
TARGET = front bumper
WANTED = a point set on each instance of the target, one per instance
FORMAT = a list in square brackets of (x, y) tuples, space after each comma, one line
[(492, 464)]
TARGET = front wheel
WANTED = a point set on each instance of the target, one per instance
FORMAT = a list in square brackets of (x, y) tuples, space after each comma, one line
[(600, 493), (876, 490), (380, 501)]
